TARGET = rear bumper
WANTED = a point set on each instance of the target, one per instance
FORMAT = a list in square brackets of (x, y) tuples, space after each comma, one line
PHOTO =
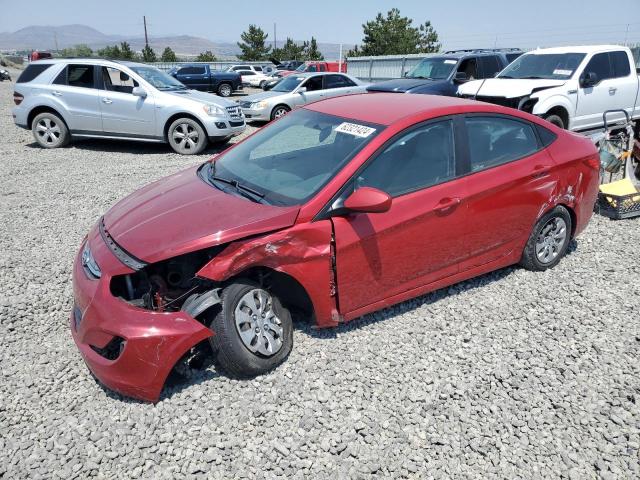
[(20, 117), (130, 350)]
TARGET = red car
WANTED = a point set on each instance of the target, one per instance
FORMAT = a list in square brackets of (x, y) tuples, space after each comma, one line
[(338, 209)]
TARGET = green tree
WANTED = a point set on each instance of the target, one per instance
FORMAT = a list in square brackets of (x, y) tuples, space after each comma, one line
[(110, 52), (395, 35), (168, 55), (80, 50), (148, 55), (125, 52), (253, 44), (312, 52), (207, 56), (290, 51)]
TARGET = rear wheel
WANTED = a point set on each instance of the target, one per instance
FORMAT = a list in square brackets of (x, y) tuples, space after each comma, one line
[(225, 90), (50, 131), (253, 331), (279, 111), (556, 120), (187, 137), (549, 240)]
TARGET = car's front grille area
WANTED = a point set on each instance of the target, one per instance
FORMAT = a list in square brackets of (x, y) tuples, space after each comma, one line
[(503, 101), (234, 112), (236, 124)]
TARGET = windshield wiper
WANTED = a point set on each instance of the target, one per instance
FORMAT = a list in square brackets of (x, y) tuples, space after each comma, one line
[(243, 190)]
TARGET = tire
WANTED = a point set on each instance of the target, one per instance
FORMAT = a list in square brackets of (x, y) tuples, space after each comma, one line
[(549, 241), (187, 137), (556, 120), (225, 90), (261, 85), (279, 111), (250, 356), (50, 131)]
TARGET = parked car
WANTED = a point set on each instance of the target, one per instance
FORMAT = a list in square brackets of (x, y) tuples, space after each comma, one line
[(570, 87), (253, 79), (287, 64), (235, 68), (202, 77), (296, 90), (59, 100), (314, 66), (341, 208), (36, 55), (4, 75), (441, 74), (274, 78)]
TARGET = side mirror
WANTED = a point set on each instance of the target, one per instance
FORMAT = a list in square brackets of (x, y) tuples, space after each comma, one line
[(460, 77), (302, 90), (368, 200), (589, 79), (405, 74), (139, 92)]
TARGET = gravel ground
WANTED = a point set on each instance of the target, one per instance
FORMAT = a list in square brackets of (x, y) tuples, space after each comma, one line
[(511, 375)]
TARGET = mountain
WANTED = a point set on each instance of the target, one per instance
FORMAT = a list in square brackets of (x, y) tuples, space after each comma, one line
[(52, 37)]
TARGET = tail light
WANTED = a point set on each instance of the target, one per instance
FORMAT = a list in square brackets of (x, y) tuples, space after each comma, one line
[(593, 162), (17, 98)]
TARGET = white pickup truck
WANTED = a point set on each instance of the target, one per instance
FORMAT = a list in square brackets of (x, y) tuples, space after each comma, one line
[(571, 87)]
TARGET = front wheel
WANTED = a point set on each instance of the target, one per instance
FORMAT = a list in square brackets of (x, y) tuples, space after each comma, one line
[(549, 240), (253, 331), (50, 131), (187, 137), (279, 111), (225, 90)]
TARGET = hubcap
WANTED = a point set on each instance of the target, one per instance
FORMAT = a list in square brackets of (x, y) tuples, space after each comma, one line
[(48, 131), (281, 112), (185, 136), (551, 240), (258, 326), (225, 90)]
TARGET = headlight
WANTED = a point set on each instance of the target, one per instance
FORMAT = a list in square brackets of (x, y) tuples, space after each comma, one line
[(259, 105), (214, 110), (89, 264)]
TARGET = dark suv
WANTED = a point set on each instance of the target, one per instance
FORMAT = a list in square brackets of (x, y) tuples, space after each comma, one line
[(441, 74)]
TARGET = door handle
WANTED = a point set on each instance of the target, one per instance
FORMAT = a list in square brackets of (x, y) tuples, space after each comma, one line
[(446, 204), (107, 100), (612, 90), (540, 171), (56, 93)]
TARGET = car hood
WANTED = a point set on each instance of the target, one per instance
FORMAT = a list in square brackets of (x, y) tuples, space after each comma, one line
[(181, 214), (262, 96), (506, 87), (402, 85), (202, 97)]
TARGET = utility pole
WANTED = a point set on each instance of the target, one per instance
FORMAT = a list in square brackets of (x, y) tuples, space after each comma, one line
[(55, 39), (275, 38), (626, 34), (146, 37)]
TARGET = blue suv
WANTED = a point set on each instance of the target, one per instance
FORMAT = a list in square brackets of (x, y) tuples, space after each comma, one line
[(442, 73)]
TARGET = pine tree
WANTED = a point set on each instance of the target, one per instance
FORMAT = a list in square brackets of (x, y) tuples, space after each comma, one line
[(312, 52), (168, 55), (148, 55), (253, 44)]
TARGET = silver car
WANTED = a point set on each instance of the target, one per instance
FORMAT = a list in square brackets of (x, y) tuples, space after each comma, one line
[(62, 99), (298, 89)]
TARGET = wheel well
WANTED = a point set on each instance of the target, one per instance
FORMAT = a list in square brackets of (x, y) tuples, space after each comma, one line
[(41, 109), (224, 82), (562, 113), (573, 216), (176, 116), (290, 292)]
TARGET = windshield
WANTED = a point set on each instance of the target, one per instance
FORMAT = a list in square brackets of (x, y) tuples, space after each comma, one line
[(287, 84), (551, 66), (289, 161), (158, 78), (433, 68)]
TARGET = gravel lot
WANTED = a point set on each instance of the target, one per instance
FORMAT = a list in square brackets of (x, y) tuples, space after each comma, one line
[(511, 375)]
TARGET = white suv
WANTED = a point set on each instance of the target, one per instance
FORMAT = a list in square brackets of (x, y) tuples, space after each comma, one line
[(62, 99)]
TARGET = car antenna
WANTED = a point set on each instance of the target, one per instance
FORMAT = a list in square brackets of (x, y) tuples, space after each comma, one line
[(478, 91)]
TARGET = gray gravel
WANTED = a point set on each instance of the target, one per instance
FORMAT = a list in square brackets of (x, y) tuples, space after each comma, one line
[(512, 375)]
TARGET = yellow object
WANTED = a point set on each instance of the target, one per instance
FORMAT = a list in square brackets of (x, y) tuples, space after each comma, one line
[(620, 188)]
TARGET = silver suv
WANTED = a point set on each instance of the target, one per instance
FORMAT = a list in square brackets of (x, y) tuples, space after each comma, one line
[(61, 99)]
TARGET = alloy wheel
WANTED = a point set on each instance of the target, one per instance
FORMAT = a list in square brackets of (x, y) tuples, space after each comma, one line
[(48, 131), (225, 90), (280, 112), (259, 327), (551, 240), (186, 137)]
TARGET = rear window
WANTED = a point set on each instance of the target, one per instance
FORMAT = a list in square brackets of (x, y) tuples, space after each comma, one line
[(32, 71)]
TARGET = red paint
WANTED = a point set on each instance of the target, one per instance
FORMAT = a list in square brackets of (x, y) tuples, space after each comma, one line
[(413, 244)]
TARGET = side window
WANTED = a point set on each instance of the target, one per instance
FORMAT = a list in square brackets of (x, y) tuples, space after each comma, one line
[(620, 63), (490, 66), (419, 159), (32, 71), (313, 83), (512, 56), (117, 81), (191, 71), (61, 79), (470, 67), (498, 140), (600, 65), (337, 81), (257, 69), (80, 76)]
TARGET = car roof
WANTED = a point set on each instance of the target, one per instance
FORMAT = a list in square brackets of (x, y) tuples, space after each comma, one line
[(87, 61), (578, 49), (388, 108)]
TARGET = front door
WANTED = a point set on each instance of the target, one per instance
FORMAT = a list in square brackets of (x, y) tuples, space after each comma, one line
[(123, 113), (315, 91), (420, 239)]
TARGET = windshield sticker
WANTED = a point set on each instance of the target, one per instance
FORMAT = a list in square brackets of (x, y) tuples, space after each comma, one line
[(559, 71), (355, 129), (452, 62)]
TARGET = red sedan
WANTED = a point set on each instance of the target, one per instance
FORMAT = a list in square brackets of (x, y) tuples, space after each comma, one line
[(338, 209)]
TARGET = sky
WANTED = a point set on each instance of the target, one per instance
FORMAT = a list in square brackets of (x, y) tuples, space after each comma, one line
[(460, 24)]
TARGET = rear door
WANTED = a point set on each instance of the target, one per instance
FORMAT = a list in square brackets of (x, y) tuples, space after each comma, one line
[(510, 178), (420, 239), (489, 65), (194, 76), (76, 88), (336, 84)]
